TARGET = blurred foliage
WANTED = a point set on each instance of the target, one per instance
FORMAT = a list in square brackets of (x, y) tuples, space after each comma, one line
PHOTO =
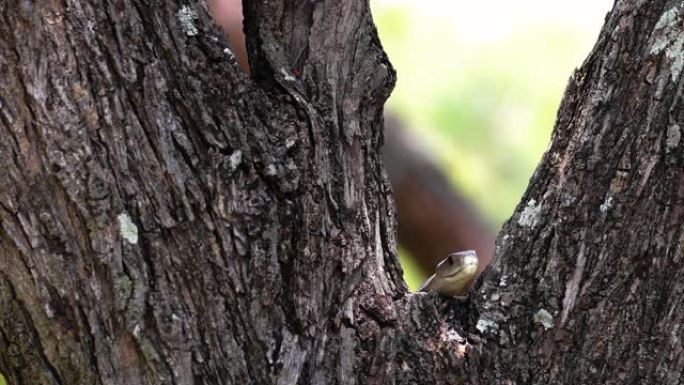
[(412, 273), (482, 84)]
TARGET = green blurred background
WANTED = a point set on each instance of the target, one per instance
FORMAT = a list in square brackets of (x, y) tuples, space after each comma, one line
[(481, 83)]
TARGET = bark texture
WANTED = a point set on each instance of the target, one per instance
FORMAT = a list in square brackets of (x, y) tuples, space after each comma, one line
[(165, 220)]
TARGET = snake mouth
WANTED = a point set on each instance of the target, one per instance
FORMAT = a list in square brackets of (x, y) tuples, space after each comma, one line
[(457, 272)]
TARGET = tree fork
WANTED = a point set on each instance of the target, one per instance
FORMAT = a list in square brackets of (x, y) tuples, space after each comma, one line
[(167, 220)]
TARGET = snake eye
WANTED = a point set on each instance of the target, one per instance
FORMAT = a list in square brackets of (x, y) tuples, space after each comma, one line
[(451, 260)]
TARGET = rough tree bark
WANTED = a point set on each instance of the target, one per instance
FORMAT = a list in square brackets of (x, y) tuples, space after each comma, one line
[(166, 221)]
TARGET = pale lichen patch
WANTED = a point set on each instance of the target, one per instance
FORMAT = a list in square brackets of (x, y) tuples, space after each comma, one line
[(484, 325), (455, 341), (606, 205), (48, 311), (530, 215), (674, 135), (235, 160), (669, 37), (544, 318), (290, 142), (677, 56), (503, 282), (128, 229), (187, 17), (271, 170), (451, 335), (667, 18), (287, 76)]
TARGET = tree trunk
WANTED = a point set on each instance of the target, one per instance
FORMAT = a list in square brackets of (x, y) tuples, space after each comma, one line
[(165, 220)]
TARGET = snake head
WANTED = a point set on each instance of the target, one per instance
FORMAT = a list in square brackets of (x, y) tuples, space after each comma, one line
[(463, 262)]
